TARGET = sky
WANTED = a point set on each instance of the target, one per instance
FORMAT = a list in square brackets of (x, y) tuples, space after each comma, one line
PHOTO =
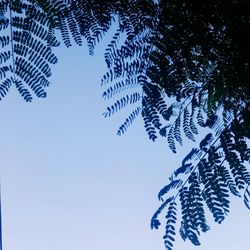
[(69, 182)]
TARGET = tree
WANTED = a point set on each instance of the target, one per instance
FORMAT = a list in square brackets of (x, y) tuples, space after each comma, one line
[(185, 67)]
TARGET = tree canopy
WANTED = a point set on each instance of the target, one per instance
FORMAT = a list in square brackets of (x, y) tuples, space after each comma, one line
[(182, 65)]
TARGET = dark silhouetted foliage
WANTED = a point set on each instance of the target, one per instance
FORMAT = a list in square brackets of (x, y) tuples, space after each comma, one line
[(183, 65)]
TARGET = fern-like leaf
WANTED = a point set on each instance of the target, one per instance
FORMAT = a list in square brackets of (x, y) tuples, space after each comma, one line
[(171, 218), (247, 197), (155, 223), (119, 104), (129, 120), (173, 184)]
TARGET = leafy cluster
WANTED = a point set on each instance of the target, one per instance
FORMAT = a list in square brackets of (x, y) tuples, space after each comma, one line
[(127, 60), (25, 57), (193, 53), (205, 181), (194, 63), (29, 32)]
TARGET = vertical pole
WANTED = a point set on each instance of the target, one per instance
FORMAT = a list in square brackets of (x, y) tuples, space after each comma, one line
[(0, 223)]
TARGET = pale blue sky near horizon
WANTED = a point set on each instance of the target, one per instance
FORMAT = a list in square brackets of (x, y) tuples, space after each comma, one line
[(69, 182)]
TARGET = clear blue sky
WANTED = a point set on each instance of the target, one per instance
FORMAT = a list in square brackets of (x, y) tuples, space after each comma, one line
[(70, 183)]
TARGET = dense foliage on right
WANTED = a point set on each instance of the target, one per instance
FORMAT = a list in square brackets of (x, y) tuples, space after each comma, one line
[(192, 64)]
